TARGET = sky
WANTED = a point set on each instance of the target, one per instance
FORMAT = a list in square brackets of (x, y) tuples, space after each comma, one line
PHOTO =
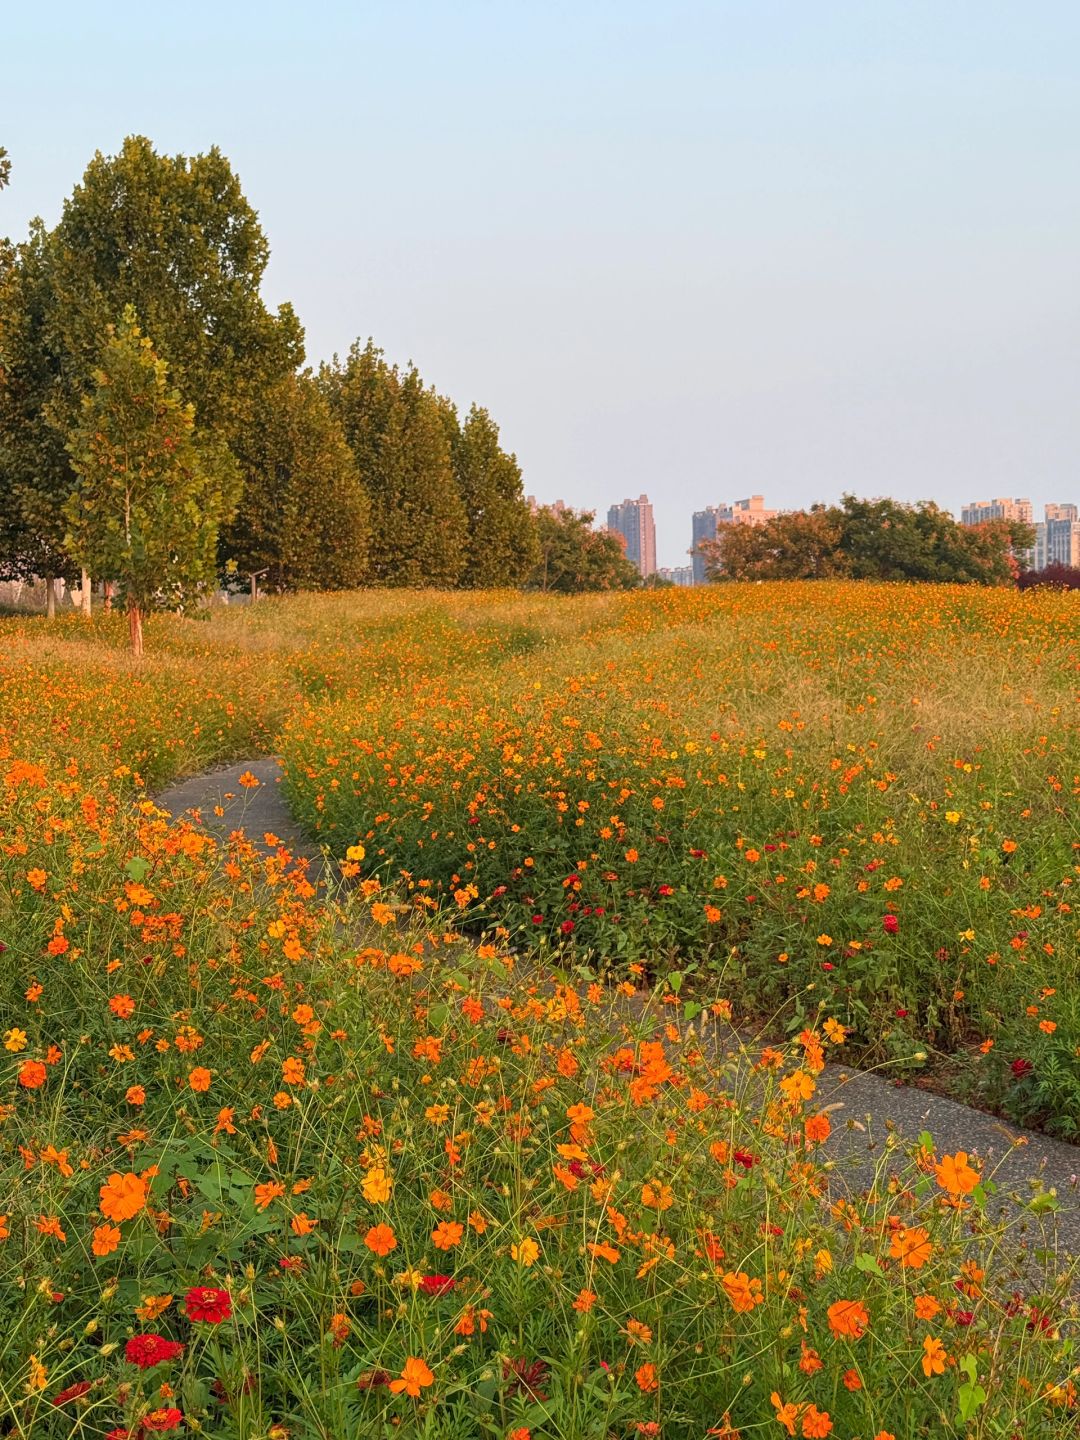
[(697, 250)]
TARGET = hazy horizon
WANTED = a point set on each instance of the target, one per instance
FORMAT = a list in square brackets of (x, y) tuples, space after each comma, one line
[(699, 251)]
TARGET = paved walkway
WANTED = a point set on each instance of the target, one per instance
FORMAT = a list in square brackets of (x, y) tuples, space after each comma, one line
[(870, 1107)]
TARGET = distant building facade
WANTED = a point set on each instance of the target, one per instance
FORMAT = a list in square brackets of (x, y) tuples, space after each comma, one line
[(705, 524), (679, 575), (633, 521), (978, 512), (1057, 538)]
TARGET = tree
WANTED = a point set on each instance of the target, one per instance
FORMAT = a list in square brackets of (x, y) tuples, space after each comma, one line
[(175, 237), (396, 427), (150, 494), (574, 557), (502, 546), (797, 546), (868, 540), (5, 167), (303, 517)]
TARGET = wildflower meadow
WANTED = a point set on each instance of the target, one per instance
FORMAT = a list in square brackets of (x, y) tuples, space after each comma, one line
[(506, 1122)]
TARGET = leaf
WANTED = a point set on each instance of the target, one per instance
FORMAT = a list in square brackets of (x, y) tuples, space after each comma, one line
[(137, 868), (866, 1262)]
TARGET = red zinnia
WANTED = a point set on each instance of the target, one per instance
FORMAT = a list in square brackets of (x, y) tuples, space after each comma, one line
[(437, 1284), (1020, 1068), (205, 1303), (146, 1351), (72, 1392), (167, 1418), (890, 924)]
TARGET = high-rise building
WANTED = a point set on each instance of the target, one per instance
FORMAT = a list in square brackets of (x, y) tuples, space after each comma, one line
[(682, 575), (750, 511), (704, 528), (978, 512), (633, 520), (1061, 537)]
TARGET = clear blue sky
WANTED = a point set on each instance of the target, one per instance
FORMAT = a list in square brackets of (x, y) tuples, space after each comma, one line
[(700, 250)]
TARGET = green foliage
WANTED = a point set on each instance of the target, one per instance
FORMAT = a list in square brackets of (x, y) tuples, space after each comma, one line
[(396, 427), (150, 494), (574, 557), (5, 167), (503, 547), (171, 235), (304, 513), (869, 540)]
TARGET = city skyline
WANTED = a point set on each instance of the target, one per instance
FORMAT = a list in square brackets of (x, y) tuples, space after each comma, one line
[(1057, 532)]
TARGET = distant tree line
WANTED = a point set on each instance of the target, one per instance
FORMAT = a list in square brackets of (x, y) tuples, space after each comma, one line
[(158, 429), (869, 540)]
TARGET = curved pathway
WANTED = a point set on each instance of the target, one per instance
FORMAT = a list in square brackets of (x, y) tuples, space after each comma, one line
[(869, 1107)]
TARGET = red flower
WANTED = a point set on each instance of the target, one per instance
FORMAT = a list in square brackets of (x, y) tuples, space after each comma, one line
[(146, 1351), (567, 927), (901, 1014), (665, 890), (73, 1392), (437, 1284), (205, 1303), (890, 924), (1020, 1068), (164, 1419), (743, 1158), (538, 919)]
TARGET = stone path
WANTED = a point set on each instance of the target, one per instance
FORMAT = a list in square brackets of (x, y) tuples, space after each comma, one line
[(871, 1106)]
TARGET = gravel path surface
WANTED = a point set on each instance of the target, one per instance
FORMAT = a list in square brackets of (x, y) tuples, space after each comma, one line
[(871, 1108)]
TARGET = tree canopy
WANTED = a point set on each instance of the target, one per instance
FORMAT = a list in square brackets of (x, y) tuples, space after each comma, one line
[(304, 515), (573, 557), (150, 494), (860, 539)]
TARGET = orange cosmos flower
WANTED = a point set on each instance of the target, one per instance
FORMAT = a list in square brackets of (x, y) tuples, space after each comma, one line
[(199, 1079), (911, 1247), (122, 1196), (848, 1319), (955, 1175), (447, 1234), (380, 1240), (645, 1375), (266, 1193), (743, 1292), (105, 1240), (32, 1074), (586, 1299), (787, 1414), (933, 1359), (415, 1375), (816, 1423)]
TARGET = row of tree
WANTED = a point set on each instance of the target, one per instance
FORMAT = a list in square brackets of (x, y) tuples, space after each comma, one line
[(869, 540), (157, 427)]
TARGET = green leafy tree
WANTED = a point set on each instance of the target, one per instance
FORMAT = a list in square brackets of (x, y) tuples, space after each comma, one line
[(5, 167), (175, 237), (878, 539), (303, 519), (397, 430), (149, 494), (502, 546), (573, 557)]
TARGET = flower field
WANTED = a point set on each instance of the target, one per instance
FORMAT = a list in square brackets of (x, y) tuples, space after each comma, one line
[(404, 1157)]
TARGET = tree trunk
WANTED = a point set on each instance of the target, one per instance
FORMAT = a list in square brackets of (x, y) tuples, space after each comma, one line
[(135, 629), (50, 597), (86, 594), (107, 586)]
